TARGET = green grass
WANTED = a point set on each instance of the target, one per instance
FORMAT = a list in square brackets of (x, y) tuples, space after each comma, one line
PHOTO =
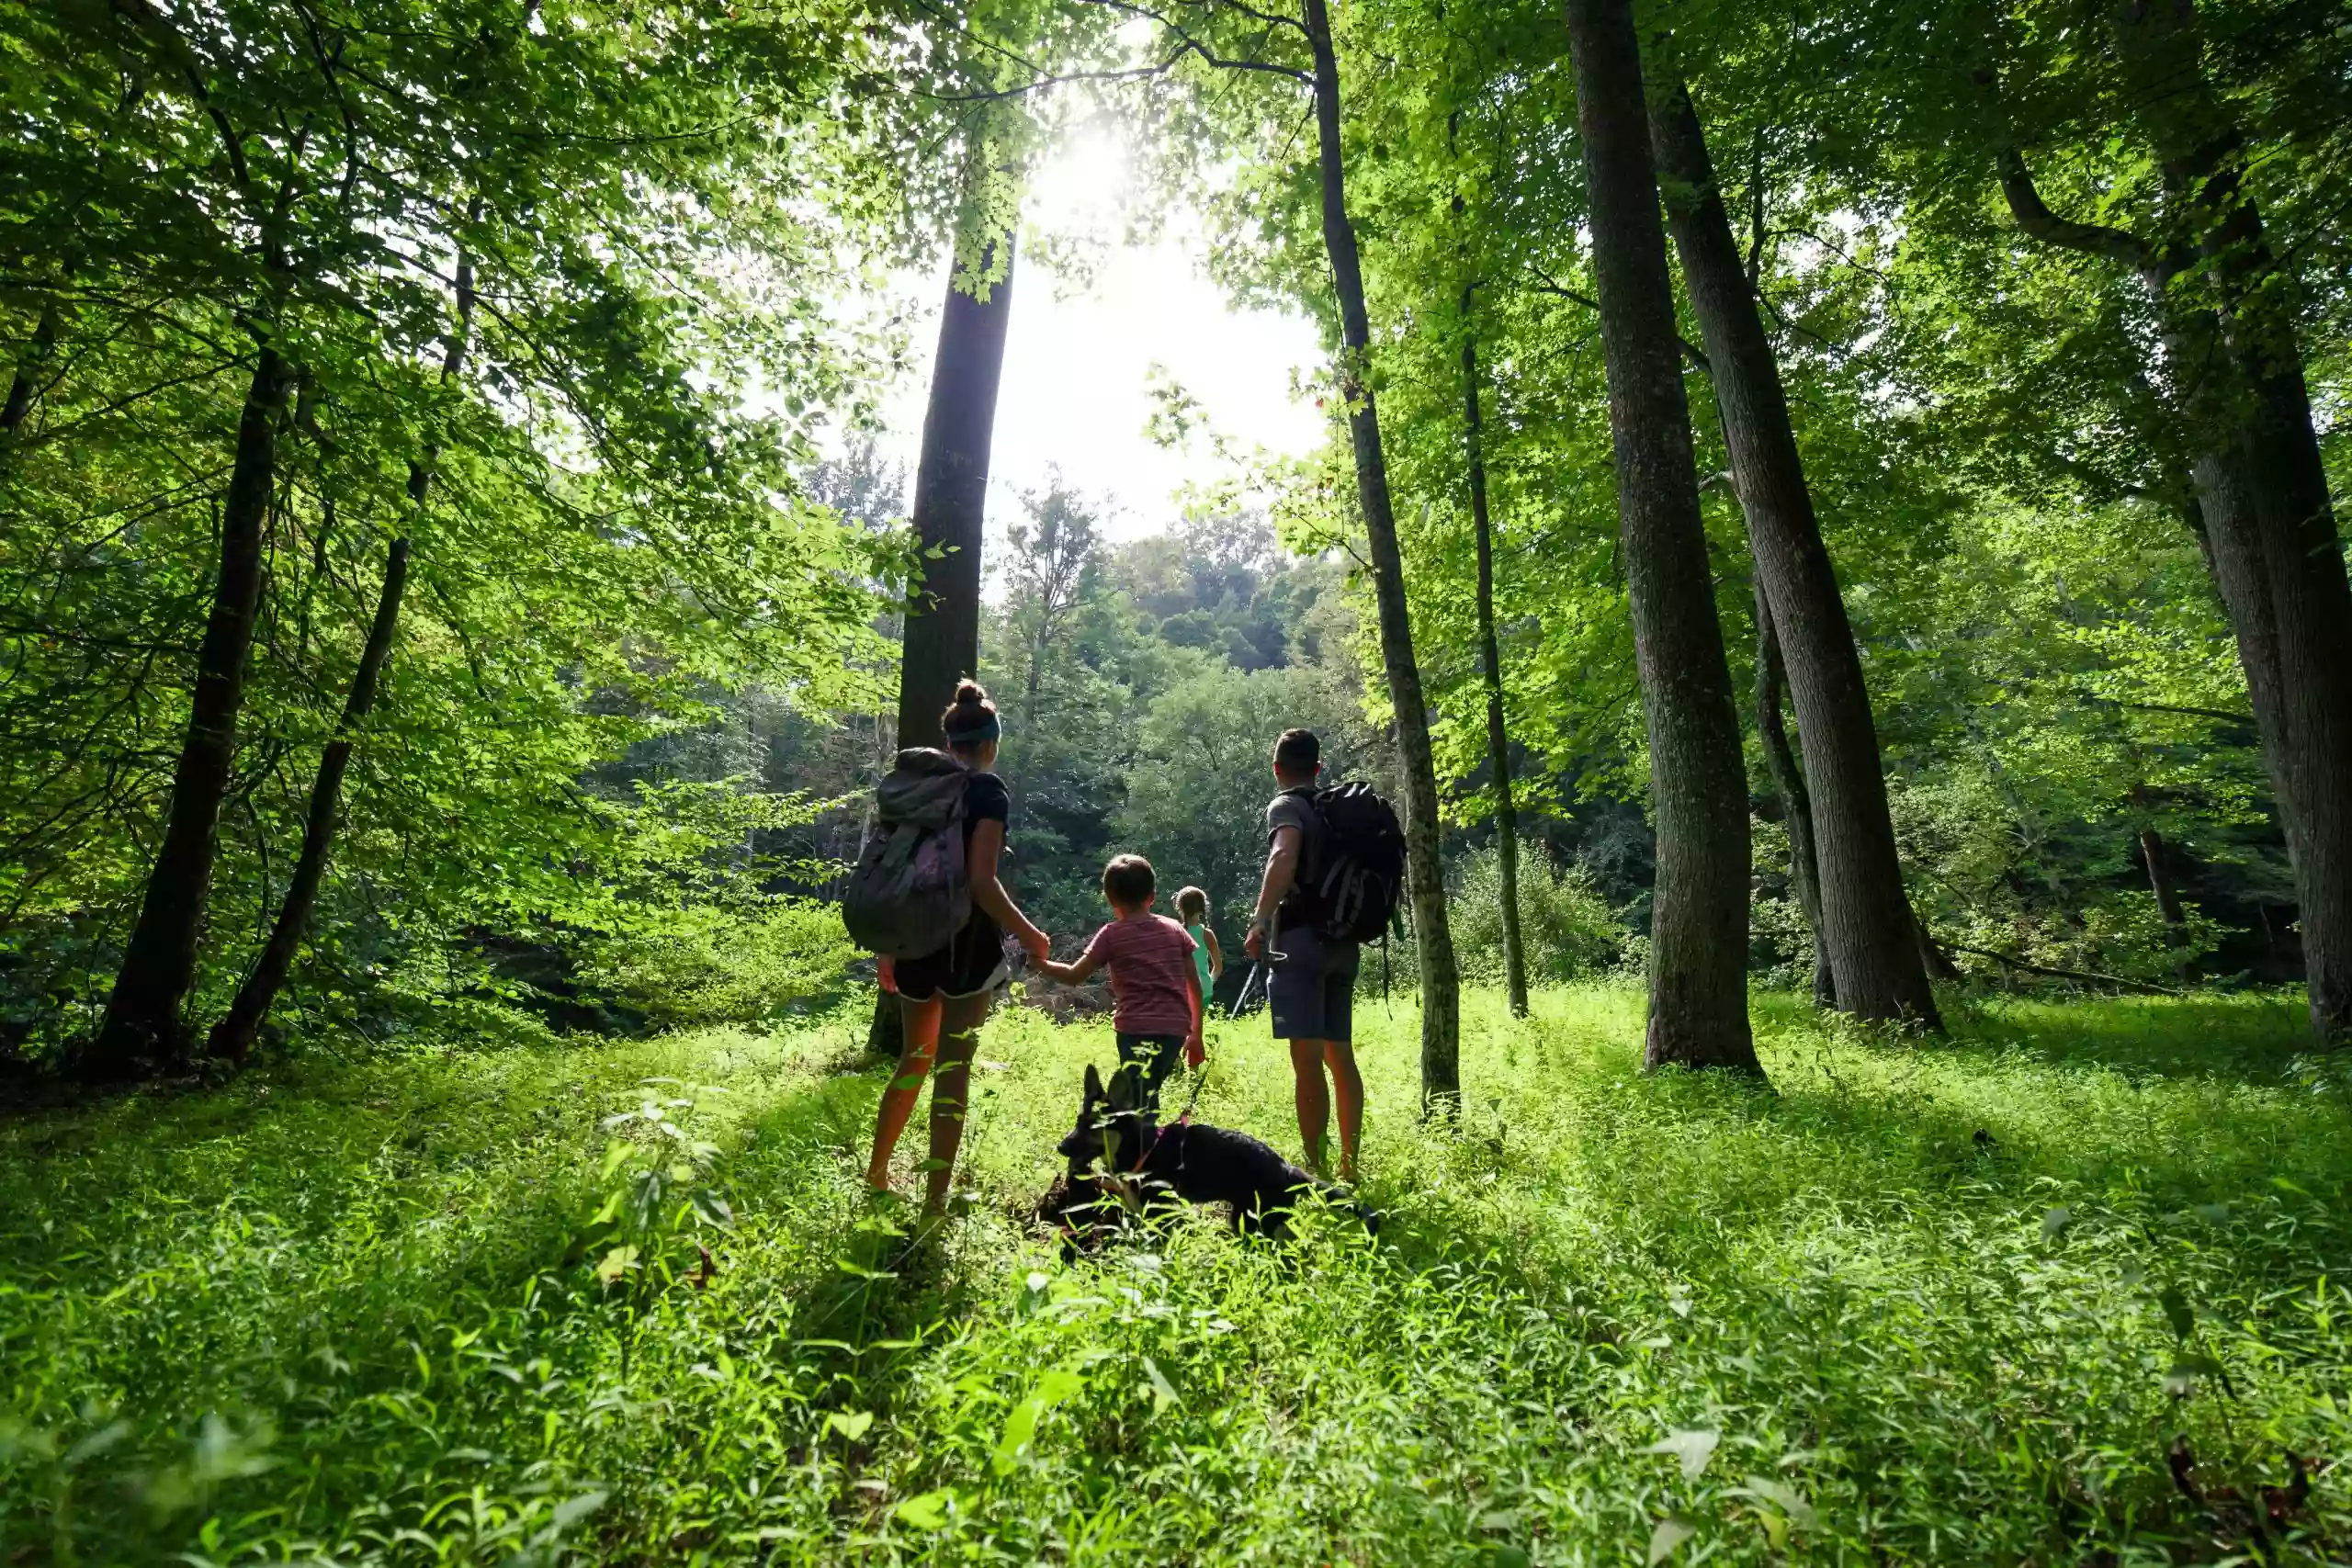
[(346, 1312)]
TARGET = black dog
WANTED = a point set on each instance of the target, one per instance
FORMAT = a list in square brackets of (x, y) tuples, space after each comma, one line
[(1118, 1128)]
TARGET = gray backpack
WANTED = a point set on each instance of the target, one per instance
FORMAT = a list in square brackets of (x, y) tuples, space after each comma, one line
[(910, 894)]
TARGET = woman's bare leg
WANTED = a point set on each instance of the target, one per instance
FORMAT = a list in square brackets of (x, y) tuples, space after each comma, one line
[(951, 1090), (922, 1028)]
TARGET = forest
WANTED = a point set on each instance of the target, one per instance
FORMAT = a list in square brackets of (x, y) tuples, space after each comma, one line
[(1825, 528)]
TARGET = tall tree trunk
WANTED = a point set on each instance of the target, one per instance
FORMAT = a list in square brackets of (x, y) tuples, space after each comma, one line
[(2156, 858), (1498, 736), (941, 644), (24, 384), (142, 1032), (1862, 898), (2295, 547), (1699, 785), (2310, 608), (232, 1037), (1931, 957), (1797, 802), (1433, 935)]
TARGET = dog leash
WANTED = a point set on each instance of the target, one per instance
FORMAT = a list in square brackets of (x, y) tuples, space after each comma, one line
[(1184, 1119)]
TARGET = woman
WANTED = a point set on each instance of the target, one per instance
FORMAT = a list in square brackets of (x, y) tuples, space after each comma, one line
[(944, 996)]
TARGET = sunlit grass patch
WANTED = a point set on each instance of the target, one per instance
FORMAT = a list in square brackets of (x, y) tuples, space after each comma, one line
[(1924, 1302)]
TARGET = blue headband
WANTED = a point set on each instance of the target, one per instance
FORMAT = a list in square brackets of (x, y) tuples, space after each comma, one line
[(985, 726)]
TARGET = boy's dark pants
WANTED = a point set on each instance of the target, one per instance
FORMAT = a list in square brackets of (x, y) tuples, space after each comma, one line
[(1153, 1056)]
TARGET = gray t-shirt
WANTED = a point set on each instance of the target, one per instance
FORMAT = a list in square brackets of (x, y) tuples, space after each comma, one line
[(1295, 808)]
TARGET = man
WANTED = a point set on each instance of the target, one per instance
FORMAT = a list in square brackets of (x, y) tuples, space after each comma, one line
[(1310, 984)]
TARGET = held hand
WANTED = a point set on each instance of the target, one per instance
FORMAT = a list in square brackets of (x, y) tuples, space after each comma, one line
[(1038, 945), (1195, 1051), (1254, 944)]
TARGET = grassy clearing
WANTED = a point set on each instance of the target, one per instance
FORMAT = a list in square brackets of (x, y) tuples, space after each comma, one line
[(1921, 1305)]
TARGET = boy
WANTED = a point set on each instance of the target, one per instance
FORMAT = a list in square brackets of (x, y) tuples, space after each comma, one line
[(1155, 989)]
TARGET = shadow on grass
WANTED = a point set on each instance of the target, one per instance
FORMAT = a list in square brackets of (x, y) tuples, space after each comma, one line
[(2253, 1039)]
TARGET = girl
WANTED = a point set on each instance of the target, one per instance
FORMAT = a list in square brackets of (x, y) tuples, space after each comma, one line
[(1209, 957), (944, 996)]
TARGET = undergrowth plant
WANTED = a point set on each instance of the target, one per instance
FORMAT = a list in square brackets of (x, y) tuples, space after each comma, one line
[(2069, 1287)]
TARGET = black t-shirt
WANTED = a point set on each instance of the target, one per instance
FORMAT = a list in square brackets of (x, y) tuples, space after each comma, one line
[(986, 799), (1295, 808)]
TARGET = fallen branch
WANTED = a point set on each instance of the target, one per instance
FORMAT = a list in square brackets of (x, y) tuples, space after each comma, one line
[(2015, 963)]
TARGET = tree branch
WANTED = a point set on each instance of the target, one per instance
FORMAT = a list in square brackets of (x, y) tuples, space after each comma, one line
[(2015, 963), (2033, 216), (1544, 284)]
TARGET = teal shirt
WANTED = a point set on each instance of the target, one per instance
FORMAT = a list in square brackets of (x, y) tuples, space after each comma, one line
[(1201, 958)]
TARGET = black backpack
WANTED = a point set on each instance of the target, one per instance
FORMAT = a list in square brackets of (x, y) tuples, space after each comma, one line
[(1359, 867)]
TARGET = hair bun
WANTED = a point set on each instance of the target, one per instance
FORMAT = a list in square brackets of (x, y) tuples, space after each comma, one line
[(971, 717)]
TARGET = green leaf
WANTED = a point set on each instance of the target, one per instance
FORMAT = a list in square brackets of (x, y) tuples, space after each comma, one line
[(1669, 1534), (1163, 1393), (617, 1262), (2180, 1381), (1782, 1497), (2056, 1221), (925, 1511), (571, 1510), (1021, 1423), (1693, 1448), (850, 1424), (2177, 1312)]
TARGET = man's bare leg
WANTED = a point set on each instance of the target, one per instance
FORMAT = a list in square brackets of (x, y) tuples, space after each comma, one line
[(1314, 1099), (1346, 1087)]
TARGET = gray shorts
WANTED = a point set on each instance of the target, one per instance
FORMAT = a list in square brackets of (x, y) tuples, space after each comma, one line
[(1311, 993)]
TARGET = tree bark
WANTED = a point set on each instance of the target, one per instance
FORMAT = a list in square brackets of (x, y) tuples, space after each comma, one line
[(941, 644), (1441, 984), (141, 1034), (24, 385), (1938, 965), (2294, 557), (2156, 857), (1698, 783), (1796, 802), (1497, 734), (1861, 900), (232, 1037)]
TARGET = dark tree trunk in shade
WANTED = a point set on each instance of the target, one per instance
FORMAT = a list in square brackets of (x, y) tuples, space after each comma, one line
[(2310, 610), (2279, 549), (1861, 900), (1932, 958), (1497, 734), (232, 1037), (142, 1032), (1440, 1000), (1699, 785), (24, 384), (942, 641), (2155, 858), (1788, 783)]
